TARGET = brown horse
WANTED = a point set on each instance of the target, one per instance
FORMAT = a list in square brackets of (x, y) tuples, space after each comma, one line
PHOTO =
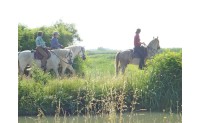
[(125, 57)]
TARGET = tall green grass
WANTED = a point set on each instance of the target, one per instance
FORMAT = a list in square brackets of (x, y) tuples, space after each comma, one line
[(99, 91)]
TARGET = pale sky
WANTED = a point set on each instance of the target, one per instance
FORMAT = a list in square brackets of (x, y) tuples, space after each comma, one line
[(112, 23)]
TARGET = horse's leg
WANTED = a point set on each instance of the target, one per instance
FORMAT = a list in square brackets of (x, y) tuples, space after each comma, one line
[(54, 67), (71, 69), (63, 70), (119, 68), (123, 68), (21, 69), (56, 71), (21, 72)]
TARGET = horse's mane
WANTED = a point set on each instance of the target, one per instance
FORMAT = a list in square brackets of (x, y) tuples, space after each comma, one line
[(152, 42), (61, 52), (73, 47)]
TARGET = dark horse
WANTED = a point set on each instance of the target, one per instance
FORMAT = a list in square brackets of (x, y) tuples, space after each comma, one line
[(125, 57)]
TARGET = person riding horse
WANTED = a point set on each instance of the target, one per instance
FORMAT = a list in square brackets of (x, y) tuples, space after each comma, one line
[(41, 47), (139, 48), (54, 41)]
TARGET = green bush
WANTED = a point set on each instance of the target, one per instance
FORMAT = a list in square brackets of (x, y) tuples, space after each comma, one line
[(164, 86), (39, 75), (79, 66), (30, 95)]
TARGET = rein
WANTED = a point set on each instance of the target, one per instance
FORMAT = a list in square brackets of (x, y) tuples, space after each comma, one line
[(60, 58), (152, 50), (80, 51)]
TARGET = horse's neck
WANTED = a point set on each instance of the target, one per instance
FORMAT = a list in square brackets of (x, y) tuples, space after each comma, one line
[(75, 51), (56, 52), (150, 52)]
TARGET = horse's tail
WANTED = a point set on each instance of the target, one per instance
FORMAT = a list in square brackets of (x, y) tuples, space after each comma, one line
[(117, 63)]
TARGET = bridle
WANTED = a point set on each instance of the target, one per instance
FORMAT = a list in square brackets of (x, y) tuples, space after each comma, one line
[(61, 58), (83, 55), (154, 51)]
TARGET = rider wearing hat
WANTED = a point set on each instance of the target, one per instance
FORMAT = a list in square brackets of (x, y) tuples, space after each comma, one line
[(138, 48), (54, 41)]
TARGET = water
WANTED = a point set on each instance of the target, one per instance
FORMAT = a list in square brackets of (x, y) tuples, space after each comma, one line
[(126, 118)]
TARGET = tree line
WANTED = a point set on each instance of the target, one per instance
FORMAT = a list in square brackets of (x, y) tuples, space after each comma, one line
[(26, 36)]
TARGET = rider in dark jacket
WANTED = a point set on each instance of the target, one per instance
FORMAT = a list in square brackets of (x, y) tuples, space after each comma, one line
[(54, 41)]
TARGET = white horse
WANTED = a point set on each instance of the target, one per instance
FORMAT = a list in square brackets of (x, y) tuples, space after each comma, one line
[(58, 56), (125, 57), (77, 51)]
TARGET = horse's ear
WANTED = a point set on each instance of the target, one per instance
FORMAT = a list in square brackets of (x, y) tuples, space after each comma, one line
[(157, 37), (153, 37)]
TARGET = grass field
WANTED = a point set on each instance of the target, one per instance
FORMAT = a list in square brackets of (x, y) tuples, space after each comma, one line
[(99, 91)]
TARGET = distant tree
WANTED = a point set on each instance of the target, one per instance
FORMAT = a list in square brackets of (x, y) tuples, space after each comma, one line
[(101, 48), (27, 36)]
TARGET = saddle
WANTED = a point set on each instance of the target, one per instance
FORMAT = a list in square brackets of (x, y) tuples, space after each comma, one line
[(38, 56), (135, 54)]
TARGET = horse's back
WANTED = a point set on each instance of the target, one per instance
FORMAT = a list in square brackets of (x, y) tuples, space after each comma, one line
[(56, 53), (26, 54), (24, 58), (124, 55)]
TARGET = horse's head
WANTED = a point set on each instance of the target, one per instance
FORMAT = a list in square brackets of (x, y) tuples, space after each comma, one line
[(157, 43), (69, 57), (82, 53), (153, 46)]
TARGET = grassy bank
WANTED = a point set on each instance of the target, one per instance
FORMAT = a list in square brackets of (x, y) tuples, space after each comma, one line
[(158, 88)]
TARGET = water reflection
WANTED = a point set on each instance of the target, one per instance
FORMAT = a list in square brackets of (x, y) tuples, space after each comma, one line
[(112, 118)]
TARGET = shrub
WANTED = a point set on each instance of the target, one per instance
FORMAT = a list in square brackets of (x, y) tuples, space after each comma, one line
[(39, 75), (79, 67), (164, 85)]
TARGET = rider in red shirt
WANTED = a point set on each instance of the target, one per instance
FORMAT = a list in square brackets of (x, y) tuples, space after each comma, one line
[(138, 48)]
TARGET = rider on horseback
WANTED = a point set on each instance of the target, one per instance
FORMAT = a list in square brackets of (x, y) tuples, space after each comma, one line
[(138, 48), (41, 47), (54, 41)]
